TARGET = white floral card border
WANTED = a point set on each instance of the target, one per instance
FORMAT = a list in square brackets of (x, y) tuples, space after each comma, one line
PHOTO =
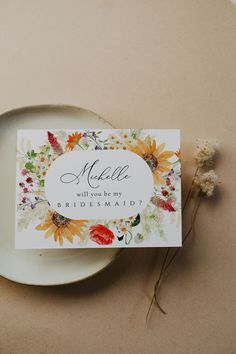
[(139, 201)]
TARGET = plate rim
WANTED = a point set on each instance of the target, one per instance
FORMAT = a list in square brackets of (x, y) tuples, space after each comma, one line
[(113, 259), (38, 107), (22, 109)]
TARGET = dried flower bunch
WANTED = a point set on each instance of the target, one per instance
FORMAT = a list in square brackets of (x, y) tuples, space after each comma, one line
[(205, 152), (203, 184)]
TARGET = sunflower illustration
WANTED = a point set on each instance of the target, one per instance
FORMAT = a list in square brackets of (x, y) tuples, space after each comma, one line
[(155, 157), (61, 227), (73, 140)]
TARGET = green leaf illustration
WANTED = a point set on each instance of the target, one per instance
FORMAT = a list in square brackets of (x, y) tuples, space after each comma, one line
[(30, 167), (136, 221), (33, 154)]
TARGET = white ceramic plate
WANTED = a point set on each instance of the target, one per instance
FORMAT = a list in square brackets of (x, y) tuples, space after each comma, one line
[(41, 267)]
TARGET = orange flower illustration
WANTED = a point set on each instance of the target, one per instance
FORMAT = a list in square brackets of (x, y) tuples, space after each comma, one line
[(178, 153), (155, 157), (73, 140), (61, 227)]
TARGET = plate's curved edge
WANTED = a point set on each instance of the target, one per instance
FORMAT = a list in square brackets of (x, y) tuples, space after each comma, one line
[(23, 109), (50, 106), (113, 259)]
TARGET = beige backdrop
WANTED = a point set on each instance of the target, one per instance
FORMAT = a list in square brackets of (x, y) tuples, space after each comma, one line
[(152, 63)]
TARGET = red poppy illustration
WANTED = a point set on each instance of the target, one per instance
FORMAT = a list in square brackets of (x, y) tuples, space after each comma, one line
[(101, 234)]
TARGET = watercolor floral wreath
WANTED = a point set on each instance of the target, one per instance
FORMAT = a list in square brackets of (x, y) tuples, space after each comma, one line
[(32, 205)]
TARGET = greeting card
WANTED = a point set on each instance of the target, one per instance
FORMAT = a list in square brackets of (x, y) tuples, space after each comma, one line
[(98, 188)]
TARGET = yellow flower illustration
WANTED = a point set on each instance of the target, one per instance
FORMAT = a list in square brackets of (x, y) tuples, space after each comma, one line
[(61, 227), (155, 157)]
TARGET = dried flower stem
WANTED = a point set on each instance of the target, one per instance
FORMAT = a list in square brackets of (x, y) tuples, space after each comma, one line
[(193, 218), (155, 289), (204, 185), (190, 190), (163, 268), (166, 265)]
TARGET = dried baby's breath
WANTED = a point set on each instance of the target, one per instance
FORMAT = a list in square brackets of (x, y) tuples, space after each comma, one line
[(205, 152), (206, 183)]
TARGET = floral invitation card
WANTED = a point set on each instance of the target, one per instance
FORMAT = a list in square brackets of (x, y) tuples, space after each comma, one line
[(98, 188)]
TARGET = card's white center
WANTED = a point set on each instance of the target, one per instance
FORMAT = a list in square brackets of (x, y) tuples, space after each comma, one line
[(99, 184)]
